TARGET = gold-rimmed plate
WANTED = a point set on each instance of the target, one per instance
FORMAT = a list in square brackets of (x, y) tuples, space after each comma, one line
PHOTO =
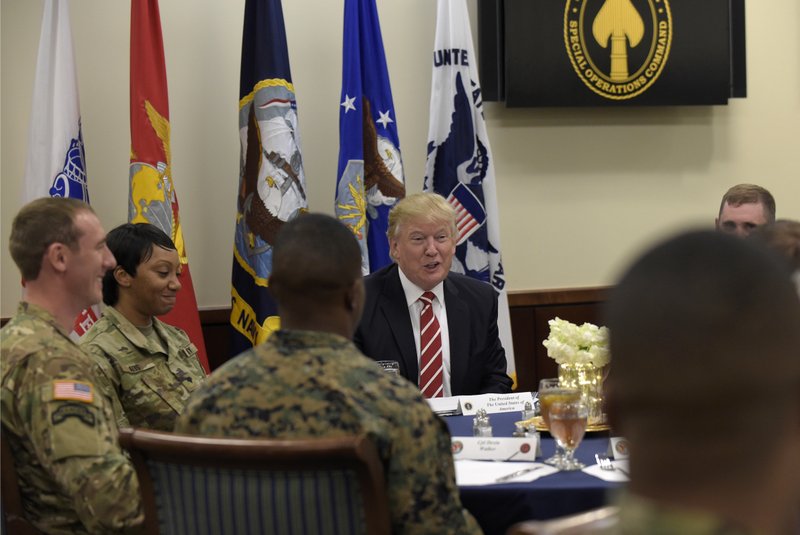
[(537, 422)]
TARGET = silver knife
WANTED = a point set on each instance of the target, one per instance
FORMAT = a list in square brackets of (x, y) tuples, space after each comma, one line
[(518, 473)]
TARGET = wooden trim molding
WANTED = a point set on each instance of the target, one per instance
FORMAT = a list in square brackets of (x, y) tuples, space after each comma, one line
[(530, 310)]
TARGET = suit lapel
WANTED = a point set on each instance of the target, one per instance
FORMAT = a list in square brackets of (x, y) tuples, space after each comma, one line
[(457, 319), (394, 309)]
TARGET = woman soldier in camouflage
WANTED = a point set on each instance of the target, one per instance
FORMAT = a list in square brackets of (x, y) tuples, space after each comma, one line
[(147, 368)]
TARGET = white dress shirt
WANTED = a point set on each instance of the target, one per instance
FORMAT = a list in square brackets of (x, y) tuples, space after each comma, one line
[(413, 293)]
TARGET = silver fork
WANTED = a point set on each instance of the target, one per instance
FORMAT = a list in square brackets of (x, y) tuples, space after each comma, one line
[(606, 464)]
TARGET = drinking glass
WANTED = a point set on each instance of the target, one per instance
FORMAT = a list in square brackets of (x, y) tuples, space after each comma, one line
[(568, 420), (390, 366), (550, 391)]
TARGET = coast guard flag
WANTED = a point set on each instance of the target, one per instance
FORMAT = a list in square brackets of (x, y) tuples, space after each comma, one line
[(56, 163), (370, 172), (271, 179), (459, 165), (152, 196)]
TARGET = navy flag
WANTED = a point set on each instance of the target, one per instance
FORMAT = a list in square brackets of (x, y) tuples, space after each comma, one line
[(370, 172), (460, 166), (271, 179)]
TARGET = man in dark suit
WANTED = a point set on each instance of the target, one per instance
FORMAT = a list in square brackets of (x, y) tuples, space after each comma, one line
[(441, 327)]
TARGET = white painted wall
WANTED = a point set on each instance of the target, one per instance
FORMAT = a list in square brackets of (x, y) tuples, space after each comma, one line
[(580, 190)]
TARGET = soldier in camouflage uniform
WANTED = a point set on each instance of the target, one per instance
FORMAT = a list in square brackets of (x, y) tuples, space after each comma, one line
[(308, 379), (705, 384), (73, 477), (146, 367)]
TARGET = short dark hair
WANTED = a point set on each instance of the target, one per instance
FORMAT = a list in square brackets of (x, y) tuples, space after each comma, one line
[(39, 224), (694, 322), (131, 244), (784, 237), (747, 194), (314, 256)]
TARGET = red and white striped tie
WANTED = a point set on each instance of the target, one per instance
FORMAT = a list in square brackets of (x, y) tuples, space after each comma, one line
[(431, 375)]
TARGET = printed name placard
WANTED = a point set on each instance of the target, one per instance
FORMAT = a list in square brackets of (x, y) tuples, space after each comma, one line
[(494, 403), (496, 449), (618, 448)]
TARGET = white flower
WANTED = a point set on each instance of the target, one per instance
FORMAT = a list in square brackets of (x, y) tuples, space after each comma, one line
[(570, 344)]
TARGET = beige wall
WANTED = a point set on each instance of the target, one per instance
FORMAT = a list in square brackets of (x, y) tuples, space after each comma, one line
[(580, 190)]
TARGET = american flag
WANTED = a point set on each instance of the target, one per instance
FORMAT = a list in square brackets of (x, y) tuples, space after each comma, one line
[(470, 213), (73, 390)]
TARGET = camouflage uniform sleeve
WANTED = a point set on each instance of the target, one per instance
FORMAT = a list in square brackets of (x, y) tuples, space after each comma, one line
[(421, 478), (75, 440), (107, 382)]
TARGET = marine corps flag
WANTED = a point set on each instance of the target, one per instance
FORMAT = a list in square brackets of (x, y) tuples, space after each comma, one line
[(56, 163), (271, 180), (459, 165), (152, 193), (370, 172)]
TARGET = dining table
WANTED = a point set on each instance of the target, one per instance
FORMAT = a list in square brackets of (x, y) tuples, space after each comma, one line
[(497, 507)]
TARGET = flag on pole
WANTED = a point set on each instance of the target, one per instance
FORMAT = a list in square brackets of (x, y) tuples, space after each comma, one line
[(370, 171), (459, 165), (271, 179), (56, 162), (153, 198)]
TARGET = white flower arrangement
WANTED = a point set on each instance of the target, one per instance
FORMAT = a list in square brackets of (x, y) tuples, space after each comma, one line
[(570, 344)]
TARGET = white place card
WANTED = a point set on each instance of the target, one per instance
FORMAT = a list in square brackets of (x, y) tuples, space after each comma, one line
[(494, 403), (496, 448), (618, 448), (445, 406)]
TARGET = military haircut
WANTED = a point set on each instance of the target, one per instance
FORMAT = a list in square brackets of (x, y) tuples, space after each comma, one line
[(39, 224), (750, 193), (314, 256), (132, 244), (425, 206), (704, 338)]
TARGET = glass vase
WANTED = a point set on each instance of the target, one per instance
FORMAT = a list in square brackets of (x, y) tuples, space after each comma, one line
[(589, 380)]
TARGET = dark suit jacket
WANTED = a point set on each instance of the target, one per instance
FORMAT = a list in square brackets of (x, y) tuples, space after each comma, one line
[(477, 358)]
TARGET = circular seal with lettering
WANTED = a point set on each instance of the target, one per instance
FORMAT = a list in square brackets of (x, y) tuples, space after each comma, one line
[(621, 447), (618, 48), (457, 446), (468, 406), (525, 447)]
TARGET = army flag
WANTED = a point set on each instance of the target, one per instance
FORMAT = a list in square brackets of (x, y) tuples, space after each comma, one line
[(153, 198), (459, 165), (370, 172), (56, 162), (271, 179)]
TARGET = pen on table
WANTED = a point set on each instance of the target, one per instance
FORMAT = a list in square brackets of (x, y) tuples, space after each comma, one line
[(512, 475)]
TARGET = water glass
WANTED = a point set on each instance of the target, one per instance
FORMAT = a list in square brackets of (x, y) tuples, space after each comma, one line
[(390, 366)]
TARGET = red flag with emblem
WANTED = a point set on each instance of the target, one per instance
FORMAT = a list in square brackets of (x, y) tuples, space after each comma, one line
[(152, 196)]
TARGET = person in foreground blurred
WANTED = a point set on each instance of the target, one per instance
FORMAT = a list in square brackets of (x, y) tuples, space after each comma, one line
[(745, 207), (783, 236), (705, 384), (147, 368), (73, 477), (309, 380), (422, 241)]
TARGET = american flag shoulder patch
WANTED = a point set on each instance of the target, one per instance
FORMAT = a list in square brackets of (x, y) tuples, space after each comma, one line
[(73, 390)]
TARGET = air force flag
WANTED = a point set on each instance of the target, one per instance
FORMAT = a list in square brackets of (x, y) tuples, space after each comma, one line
[(370, 171), (459, 165)]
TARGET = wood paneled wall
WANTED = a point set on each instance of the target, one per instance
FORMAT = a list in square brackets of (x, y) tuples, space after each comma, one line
[(530, 311)]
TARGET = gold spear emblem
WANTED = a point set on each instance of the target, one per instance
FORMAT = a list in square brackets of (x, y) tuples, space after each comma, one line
[(618, 19)]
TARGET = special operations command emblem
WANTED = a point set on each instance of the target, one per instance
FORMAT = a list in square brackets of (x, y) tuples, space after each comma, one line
[(618, 47)]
